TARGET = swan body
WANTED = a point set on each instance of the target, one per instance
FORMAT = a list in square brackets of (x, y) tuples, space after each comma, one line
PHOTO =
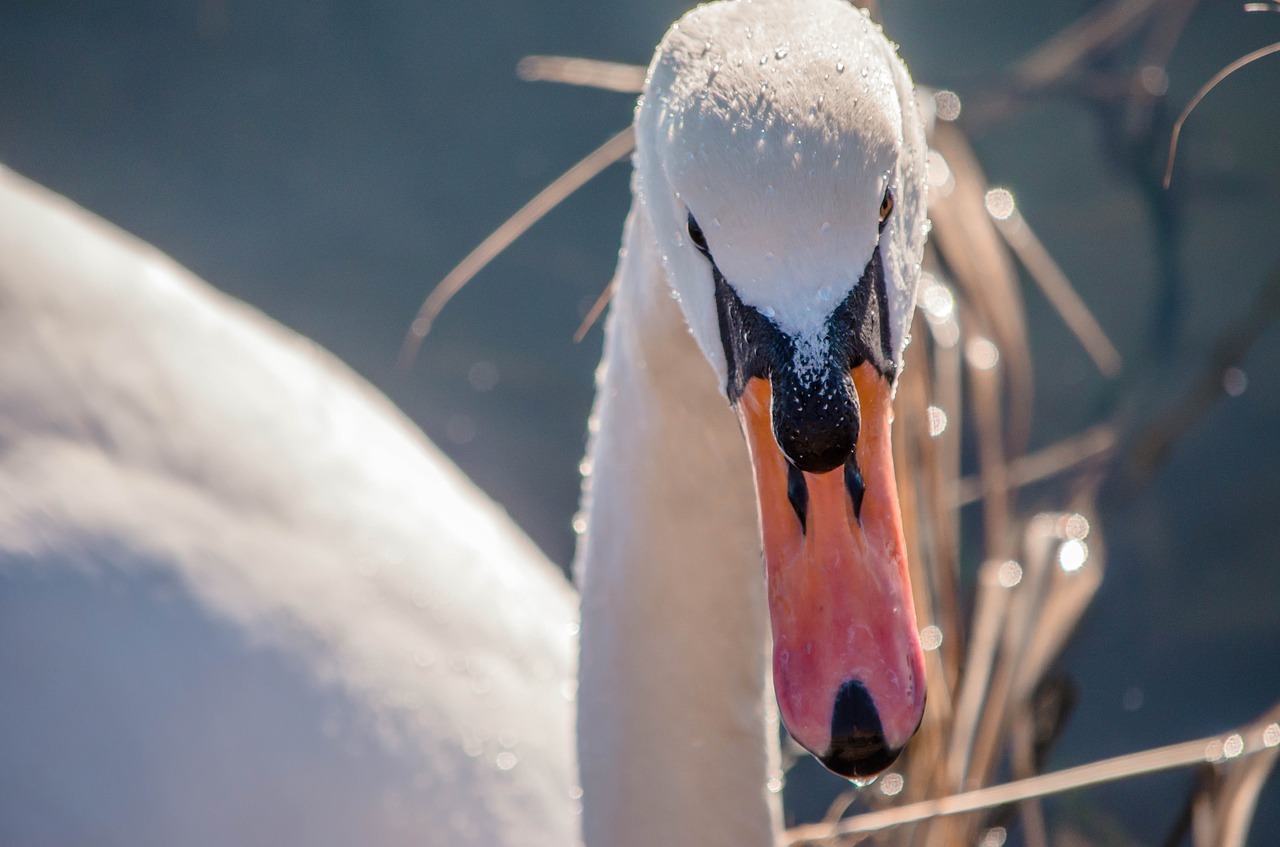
[(242, 600)]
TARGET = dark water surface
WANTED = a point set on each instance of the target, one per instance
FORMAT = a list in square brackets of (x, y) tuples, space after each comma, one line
[(329, 161)]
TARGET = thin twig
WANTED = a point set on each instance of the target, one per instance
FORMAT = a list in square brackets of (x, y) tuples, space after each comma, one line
[(1149, 446), (1050, 461), (512, 228), (1254, 737), (590, 73), (597, 308), (1060, 293), (1246, 59), (1066, 52)]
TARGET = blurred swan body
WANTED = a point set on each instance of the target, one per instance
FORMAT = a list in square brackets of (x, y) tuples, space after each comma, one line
[(242, 600)]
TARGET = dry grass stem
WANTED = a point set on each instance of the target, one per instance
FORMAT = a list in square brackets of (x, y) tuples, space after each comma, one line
[(1246, 59), (1100, 30), (1259, 736), (590, 73), (1060, 293), (594, 313), (613, 150), (1094, 443)]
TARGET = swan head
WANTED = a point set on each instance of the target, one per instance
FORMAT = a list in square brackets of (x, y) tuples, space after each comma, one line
[(780, 161)]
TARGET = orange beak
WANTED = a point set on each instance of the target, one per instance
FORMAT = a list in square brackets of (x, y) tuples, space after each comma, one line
[(847, 663)]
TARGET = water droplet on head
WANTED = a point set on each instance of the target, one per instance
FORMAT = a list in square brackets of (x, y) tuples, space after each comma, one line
[(780, 52), (839, 67)]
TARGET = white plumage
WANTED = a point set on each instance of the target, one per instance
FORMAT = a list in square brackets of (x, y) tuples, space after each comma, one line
[(242, 599)]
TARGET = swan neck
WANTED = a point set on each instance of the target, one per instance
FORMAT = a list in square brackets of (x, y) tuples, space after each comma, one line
[(676, 742)]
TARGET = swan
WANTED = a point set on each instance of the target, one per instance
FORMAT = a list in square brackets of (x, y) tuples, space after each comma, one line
[(306, 626), (776, 233)]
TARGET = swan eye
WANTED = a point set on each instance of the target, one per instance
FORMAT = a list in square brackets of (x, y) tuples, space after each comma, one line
[(886, 206), (695, 235)]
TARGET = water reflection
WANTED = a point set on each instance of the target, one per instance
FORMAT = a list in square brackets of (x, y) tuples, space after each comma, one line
[(1075, 526), (999, 203), (1271, 735), (994, 837), (936, 420), (1072, 555), (946, 105), (483, 376), (1234, 382), (1010, 574), (941, 181), (891, 784), (981, 353), (935, 299)]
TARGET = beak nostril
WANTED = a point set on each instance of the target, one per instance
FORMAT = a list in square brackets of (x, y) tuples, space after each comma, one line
[(798, 494), (856, 487)]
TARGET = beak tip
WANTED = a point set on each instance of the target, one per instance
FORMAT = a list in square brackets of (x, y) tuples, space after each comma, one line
[(859, 760), (858, 748)]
